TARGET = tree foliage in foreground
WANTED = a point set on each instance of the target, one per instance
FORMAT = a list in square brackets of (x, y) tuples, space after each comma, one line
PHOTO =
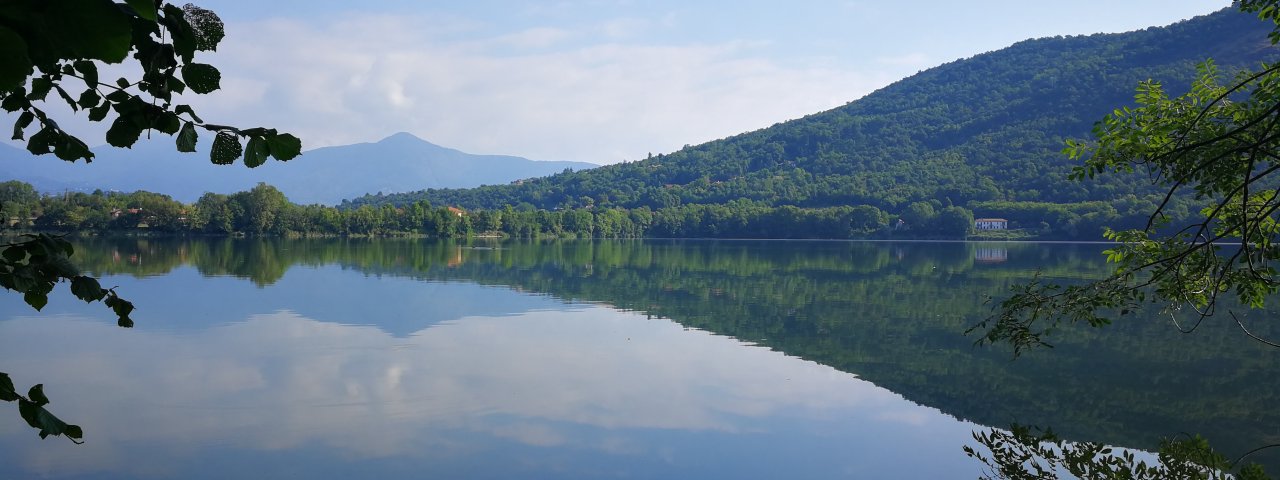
[(49, 48), (46, 44), (1219, 143), (1027, 453)]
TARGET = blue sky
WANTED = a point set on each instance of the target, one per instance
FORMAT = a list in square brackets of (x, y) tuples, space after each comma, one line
[(602, 80)]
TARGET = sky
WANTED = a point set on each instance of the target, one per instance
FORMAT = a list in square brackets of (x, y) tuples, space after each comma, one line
[(601, 81)]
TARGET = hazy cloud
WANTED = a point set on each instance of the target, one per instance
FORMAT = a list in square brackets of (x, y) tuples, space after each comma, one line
[(592, 98), (914, 59)]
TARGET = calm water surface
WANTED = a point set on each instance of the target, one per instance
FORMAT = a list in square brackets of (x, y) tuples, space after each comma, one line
[(412, 359)]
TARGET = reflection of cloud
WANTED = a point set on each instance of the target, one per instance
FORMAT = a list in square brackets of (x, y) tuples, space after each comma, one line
[(909, 417), (282, 381), (531, 434)]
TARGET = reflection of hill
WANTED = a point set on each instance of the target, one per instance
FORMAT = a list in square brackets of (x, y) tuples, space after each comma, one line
[(891, 313)]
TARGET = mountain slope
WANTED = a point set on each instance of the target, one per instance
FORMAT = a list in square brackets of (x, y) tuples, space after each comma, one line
[(326, 175), (985, 128)]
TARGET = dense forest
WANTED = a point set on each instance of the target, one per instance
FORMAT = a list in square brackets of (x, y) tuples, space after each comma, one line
[(921, 158), (264, 210), (983, 133)]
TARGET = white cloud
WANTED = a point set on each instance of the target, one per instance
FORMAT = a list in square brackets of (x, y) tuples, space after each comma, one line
[(625, 27), (533, 38), (591, 98), (914, 59)]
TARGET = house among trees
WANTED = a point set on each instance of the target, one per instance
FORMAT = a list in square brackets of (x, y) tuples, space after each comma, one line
[(990, 224)]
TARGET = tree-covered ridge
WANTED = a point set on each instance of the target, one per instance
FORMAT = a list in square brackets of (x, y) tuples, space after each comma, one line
[(264, 210), (891, 313), (985, 129), (980, 137)]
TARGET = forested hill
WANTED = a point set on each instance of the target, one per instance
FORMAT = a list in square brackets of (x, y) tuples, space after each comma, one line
[(987, 128)]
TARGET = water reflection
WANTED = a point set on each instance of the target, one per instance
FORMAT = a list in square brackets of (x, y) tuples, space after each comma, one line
[(888, 313), (559, 390)]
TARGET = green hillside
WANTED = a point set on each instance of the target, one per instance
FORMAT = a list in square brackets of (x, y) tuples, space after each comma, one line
[(980, 132)]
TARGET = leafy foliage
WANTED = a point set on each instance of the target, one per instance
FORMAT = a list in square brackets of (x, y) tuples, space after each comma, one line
[(33, 267), (264, 210), (49, 43), (31, 408), (1028, 453), (46, 44), (1218, 145)]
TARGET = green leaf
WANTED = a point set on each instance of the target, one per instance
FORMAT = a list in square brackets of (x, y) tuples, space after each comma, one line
[(146, 9), (123, 133), (256, 152), (226, 149), (46, 422), (74, 432), (19, 126), (71, 149), (174, 85), (206, 27), (201, 78), (40, 87), (181, 109), (36, 299), (122, 83), (122, 309), (184, 37), (36, 395), (88, 71), (118, 96), (284, 146), (67, 98), (166, 122), (14, 254), (15, 65), (8, 392), (156, 84), (88, 29), (22, 281), (87, 289), (187, 137), (89, 99), (15, 100), (42, 142), (67, 248), (98, 113)]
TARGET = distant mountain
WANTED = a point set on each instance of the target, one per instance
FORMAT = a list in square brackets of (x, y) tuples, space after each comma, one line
[(984, 129), (401, 162)]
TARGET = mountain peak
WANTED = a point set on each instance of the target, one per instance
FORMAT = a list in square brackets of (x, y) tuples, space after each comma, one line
[(401, 137)]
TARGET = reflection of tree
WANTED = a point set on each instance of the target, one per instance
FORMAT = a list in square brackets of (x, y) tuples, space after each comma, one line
[(139, 257), (259, 259), (1025, 453), (892, 313)]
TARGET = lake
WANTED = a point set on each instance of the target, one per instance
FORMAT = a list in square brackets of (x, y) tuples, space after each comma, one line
[(344, 358)]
